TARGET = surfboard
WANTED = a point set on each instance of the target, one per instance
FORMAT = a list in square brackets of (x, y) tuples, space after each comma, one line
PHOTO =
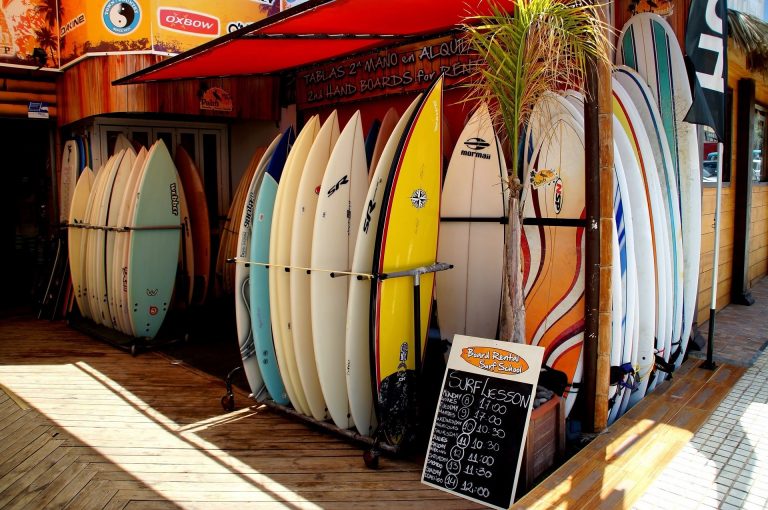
[(70, 167), (224, 272), (242, 277), (154, 243), (122, 244), (370, 140), (357, 333), (334, 234), (115, 206), (75, 234), (385, 131), (644, 246), (553, 264), (85, 240), (624, 279), (628, 282), (122, 144), (261, 326), (200, 229), (643, 101), (185, 272), (301, 254), (279, 278), (473, 218), (649, 45), (633, 125), (406, 238), (96, 243)]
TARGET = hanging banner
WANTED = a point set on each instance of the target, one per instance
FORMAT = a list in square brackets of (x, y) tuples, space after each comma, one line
[(167, 26), (26, 25), (391, 71), (481, 423), (706, 44)]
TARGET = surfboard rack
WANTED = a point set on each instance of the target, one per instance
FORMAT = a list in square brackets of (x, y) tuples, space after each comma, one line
[(376, 446)]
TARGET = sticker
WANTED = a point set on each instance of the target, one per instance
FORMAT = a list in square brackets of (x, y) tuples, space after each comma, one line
[(542, 177), (188, 22), (174, 199), (475, 145), (495, 360), (558, 195), (121, 17), (419, 198), (153, 310), (72, 24), (152, 292)]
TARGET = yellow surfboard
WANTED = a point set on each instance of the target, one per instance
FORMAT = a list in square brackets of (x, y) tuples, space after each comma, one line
[(406, 239)]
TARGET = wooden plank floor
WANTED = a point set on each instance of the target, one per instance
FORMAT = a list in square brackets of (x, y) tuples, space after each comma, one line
[(83, 425), (615, 469)]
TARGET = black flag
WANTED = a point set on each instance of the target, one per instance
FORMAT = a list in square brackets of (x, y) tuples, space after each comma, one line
[(706, 43)]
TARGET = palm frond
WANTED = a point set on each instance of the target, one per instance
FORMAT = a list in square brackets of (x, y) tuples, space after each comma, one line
[(541, 46)]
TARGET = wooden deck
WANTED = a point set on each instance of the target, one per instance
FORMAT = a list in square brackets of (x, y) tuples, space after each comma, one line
[(615, 469), (84, 425)]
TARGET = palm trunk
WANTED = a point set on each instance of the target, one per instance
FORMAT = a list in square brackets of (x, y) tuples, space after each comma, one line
[(513, 302)]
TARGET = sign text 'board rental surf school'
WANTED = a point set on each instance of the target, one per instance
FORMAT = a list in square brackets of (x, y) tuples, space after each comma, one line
[(398, 70), (481, 423), (168, 26)]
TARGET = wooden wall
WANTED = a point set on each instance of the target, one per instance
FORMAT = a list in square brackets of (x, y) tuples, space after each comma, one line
[(758, 236), (16, 94), (86, 89)]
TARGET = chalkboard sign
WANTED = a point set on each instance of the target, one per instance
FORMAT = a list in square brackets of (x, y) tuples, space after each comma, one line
[(481, 421)]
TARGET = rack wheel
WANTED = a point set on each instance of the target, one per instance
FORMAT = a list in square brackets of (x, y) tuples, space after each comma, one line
[(228, 402), (371, 458)]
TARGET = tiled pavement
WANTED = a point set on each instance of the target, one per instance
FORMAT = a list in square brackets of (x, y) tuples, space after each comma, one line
[(725, 464)]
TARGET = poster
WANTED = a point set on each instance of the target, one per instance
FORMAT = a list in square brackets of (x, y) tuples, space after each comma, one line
[(26, 25)]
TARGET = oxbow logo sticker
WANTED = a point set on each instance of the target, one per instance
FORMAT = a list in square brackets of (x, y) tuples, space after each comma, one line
[(495, 360), (188, 22)]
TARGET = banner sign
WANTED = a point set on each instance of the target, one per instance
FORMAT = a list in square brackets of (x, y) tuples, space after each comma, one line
[(706, 43), (216, 99), (391, 71), (168, 26), (480, 426), (37, 110), (26, 25)]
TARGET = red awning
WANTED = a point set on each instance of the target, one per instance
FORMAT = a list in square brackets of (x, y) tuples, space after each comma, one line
[(315, 31)]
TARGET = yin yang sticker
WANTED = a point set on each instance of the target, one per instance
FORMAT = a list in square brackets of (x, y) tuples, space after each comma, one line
[(121, 17)]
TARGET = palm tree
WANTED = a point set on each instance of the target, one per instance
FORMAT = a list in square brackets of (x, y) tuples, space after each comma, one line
[(540, 46), (52, 12), (47, 40)]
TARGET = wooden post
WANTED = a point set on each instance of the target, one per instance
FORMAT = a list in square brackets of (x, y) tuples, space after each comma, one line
[(742, 182), (598, 130)]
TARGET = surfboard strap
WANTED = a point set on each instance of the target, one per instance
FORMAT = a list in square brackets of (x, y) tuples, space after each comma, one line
[(665, 366)]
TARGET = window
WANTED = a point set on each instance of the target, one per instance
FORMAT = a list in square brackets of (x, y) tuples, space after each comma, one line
[(709, 155), (758, 166)]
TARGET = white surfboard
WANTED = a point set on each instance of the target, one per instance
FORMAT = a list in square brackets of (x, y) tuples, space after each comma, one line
[(280, 258), (122, 244), (339, 205), (358, 346), (473, 217), (633, 125), (643, 240), (301, 253), (75, 234), (68, 179), (116, 203), (643, 101), (243, 276), (648, 44)]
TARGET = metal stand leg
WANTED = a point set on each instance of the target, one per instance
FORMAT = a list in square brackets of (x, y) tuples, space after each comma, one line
[(228, 400)]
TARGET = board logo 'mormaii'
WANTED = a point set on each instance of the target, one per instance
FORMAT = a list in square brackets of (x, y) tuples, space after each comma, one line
[(188, 22), (494, 360)]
